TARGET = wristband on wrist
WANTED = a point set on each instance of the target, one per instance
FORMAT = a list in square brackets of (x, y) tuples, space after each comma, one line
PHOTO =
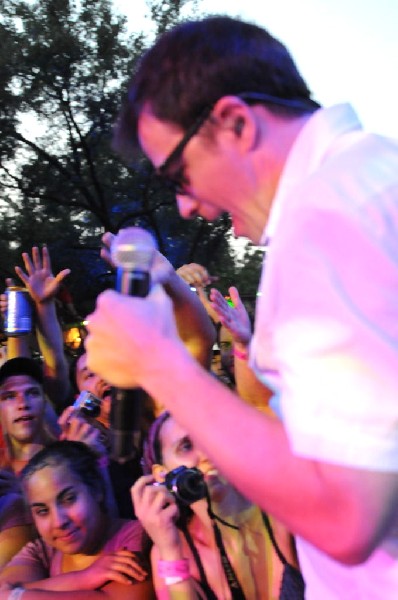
[(16, 593), (243, 355), (174, 571)]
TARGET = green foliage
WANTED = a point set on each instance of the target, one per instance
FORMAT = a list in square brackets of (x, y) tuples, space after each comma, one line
[(64, 66)]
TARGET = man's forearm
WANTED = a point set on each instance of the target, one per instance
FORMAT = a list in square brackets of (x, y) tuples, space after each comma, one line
[(338, 509), (193, 323)]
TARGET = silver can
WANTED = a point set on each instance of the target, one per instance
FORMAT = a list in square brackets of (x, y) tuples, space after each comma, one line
[(18, 320)]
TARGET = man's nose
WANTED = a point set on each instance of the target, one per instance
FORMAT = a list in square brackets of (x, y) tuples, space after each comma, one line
[(23, 400), (187, 206)]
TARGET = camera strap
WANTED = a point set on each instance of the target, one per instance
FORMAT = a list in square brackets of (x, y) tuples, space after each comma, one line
[(232, 580), (210, 595), (234, 585)]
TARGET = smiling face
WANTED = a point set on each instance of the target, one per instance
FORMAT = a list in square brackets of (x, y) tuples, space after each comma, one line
[(22, 407), (66, 512)]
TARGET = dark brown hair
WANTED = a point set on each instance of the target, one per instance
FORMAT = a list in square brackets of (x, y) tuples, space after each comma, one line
[(196, 63)]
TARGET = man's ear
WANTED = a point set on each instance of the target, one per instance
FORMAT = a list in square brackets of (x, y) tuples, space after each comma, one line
[(234, 115), (159, 473)]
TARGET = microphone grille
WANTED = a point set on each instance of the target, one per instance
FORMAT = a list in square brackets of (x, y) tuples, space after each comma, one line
[(133, 248)]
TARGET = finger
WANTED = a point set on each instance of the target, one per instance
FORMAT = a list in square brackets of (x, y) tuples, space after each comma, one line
[(235, 297), (161, 497), (106, 256), (23, 277), (153, 497), (166, 514), (185, 274), (141, 483), (10, 282), (63, 420), (83, 428), (127, 573), (137, 489), (115, 575), (220, 302), (36, 258), (129, 559), (75, 428), (61, 275), (215, 295), (201, 275), (202, 294), (3, 304), (107, 239), (28, 263), (46, 259)]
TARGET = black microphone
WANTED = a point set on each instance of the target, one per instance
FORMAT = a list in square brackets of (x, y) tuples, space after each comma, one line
[(132, 251)]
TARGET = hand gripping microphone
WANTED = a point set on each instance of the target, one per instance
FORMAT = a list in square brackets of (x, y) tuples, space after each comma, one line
[(132, 251)]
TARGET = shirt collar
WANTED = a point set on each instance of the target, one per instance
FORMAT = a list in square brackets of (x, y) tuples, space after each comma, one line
[(309, 148)]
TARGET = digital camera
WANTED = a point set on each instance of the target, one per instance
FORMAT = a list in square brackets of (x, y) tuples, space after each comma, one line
[(88, 404), (187, 484)]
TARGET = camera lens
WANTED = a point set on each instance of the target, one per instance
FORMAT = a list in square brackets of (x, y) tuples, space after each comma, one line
[(188, 485)]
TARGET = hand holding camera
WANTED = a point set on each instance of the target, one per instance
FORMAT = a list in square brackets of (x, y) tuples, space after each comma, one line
[(158, 505), (78, 423)]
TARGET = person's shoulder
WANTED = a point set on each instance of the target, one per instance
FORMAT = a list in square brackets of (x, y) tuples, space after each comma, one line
[(35, 552), (127, 534)]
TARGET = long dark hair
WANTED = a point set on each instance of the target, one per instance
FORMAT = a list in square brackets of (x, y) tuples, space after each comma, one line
[(152, 449)]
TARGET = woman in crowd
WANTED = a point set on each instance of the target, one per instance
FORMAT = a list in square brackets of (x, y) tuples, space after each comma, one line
[(187, 558), (80, 549)]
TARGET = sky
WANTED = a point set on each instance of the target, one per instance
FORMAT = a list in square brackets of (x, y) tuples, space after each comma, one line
[(347, 50)]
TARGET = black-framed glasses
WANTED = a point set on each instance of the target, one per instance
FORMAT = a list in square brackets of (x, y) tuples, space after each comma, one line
[(171, 171)]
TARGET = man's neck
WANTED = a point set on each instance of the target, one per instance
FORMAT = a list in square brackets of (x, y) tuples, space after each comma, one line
[(22, 451)]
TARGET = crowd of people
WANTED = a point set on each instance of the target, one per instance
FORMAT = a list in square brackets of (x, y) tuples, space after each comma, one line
[(61, 486), (264, 470)]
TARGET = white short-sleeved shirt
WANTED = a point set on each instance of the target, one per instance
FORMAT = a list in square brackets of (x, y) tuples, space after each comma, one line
[(326, 333)]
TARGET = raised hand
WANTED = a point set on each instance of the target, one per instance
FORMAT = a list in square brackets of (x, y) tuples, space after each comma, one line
[(235, 318), (76, 428), (195, 275), (38, 277)]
